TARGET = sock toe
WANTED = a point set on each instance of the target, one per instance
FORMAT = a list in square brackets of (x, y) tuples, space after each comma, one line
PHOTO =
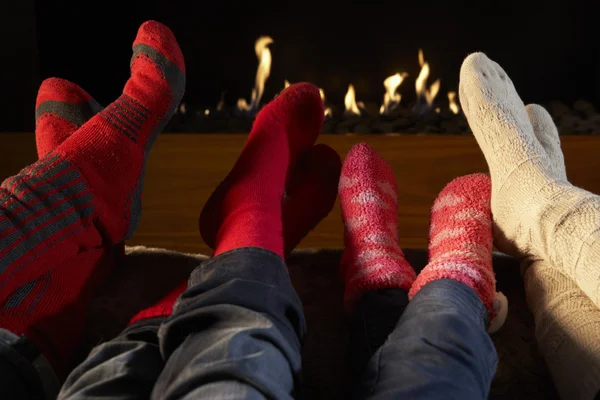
[(160, 38), (547, 134), (300, 108)]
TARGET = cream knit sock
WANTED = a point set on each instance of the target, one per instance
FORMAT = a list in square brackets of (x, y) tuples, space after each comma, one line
[(567, 323), (537, 213), (567, 330)]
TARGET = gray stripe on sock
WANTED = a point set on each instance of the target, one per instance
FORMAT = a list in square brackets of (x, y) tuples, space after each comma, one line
[(20, 193), (74, 196), (176, 79), (78, 114), (123, 121), (135, 105), (19, 295), (43, 234), (110, 118), (45, 204), (129, 116), (35, 168)]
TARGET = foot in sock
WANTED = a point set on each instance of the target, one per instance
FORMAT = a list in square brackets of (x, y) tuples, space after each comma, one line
[(246, 208), (372, 258), (87, 191), (48, 209), (61, 108), (537, 213), (460, 243)]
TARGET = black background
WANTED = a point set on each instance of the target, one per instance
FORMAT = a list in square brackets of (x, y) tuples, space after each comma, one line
[(550, 49)]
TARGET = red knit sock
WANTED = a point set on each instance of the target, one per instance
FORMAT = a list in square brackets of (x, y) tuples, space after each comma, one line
[(372, 258), (162, 308), (311, 193), (310, 197), (85, 194), (460, 243), (247, 205), (61, 108)]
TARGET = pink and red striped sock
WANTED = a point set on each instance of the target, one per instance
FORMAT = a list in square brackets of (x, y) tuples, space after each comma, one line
[(372, 258), (82, 197), (246, 209), (460, 243)]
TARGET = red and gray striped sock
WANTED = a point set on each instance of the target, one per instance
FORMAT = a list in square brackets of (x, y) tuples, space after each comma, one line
[(82, 195)]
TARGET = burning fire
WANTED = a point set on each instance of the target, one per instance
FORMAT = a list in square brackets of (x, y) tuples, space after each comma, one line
[(453, 104), (262, 74), (286, 84), (391, 99), (327, 109), (350, 101), (423, 93)]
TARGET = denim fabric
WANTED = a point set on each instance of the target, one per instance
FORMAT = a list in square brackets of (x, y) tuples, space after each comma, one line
[(439, 349)]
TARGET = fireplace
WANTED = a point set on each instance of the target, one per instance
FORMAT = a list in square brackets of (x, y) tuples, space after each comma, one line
[(386, 68)]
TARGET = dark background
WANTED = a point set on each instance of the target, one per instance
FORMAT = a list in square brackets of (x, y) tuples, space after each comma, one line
[(550, 49)]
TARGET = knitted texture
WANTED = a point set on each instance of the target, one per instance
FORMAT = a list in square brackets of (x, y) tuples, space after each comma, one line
[(246, 208), (537, 213), (460, 243), (64, 218), (372, 257)]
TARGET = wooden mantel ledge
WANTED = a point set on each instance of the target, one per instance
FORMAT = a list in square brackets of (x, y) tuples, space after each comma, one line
[(185, 168)]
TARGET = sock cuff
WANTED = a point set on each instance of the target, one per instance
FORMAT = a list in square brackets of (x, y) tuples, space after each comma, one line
[(469, 273)]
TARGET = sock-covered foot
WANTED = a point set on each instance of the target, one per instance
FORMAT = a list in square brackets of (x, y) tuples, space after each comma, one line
[(309, 197), (246, 208), (372, 258), (537, 212), (83, 195), (311, 193), (61, 108), (460, 243), (567, 323)]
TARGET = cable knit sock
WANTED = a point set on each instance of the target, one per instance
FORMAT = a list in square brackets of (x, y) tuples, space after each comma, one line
[(460, 243), (246, 208), (567, 323), (372, 258), (537, 212), (82, 195)]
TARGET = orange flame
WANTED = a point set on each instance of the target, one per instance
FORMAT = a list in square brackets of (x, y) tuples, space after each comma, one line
[(421, 82), (350, 101), (453, 104), (391, 99), (262, 74)]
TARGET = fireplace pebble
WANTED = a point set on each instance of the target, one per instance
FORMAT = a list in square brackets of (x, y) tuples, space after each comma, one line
[(581, 118)]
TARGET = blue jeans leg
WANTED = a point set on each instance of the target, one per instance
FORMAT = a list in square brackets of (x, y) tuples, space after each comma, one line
[(125, 367), (236, 332), (439, 349)]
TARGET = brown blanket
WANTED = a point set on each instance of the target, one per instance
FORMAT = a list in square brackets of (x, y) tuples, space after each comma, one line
[(150, 273)]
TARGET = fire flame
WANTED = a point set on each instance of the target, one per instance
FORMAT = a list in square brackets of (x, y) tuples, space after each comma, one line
[(421, 83), (453, 104), (327, 109), (350, 101), (391, 99), (262, 74), (286, 84)]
